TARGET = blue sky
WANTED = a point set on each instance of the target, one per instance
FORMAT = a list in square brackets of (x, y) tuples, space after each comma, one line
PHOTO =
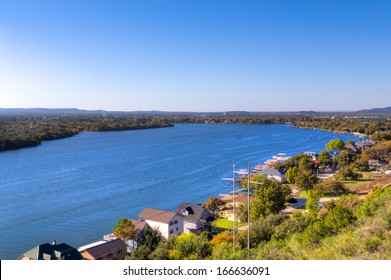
[(204, 55)]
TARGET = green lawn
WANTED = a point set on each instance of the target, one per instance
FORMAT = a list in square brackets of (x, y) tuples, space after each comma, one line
[(224, 224), (363, 183)]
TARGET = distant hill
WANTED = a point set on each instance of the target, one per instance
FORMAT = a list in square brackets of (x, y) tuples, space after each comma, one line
[(375, 111), (46, 111), (75, 111)]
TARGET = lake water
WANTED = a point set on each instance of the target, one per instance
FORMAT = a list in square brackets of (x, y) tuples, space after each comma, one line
[(74, 190)]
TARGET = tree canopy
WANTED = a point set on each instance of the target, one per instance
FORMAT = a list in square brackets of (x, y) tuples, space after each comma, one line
[(124, 229)]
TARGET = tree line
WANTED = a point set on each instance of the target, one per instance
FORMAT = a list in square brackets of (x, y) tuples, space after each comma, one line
[(29, 131)]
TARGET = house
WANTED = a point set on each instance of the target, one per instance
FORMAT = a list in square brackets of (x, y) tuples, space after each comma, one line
[(365, 145), (139, 226), (359, 147), (274, 174), (352, 147), (227, 210), (239, 199), (313, 155), (52, 251), (195, 217), (167, 222), (105, 250)]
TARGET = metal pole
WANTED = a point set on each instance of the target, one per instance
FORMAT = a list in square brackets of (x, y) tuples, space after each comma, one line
[(233, 194), (248, 207)]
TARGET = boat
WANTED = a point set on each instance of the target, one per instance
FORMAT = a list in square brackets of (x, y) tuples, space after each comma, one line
[(277, 159)]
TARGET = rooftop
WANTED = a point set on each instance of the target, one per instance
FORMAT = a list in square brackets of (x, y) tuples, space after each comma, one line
[(52, 252), (193, 212), (106, 248), (156, 215)]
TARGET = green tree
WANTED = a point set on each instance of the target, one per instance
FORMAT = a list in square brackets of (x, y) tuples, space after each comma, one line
[(338, 218), (150, 238), (269, 197), (345, 158), (124, 229), (312, 204), (191, 247), (305, 179), (291, 174), (335, 145), (212, 203), (346, 173), (324, 160), (331, 187)]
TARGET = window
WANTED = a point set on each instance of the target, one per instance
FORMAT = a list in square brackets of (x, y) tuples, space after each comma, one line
[(176, 229), (175, 222), (110, 255), (171, 231), (171, 223)]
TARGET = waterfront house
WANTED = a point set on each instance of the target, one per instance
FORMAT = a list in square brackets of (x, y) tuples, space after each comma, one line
[(139, 227), (105, 250), (195, 218), (52, 251), (274, 174), (167, 222)]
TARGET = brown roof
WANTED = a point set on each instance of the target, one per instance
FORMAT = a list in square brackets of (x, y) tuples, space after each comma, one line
[(138, 225), (156, 215), (106, 248), (240, 198)]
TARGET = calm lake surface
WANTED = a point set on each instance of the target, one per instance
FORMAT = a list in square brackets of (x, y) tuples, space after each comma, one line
[(75, 190)]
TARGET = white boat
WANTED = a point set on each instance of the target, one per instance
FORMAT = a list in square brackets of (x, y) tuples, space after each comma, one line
[(277, 159)]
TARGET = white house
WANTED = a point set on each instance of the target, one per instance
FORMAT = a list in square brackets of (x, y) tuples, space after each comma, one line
[(167, 222), (274, 174)]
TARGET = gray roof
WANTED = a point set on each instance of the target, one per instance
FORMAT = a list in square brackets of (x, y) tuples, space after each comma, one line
[(106, 248), (53, 252), (193, 212), (272, 172)]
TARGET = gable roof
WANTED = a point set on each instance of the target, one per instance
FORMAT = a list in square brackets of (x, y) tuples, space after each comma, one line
[(106, 248), (272, 172), (195, 212), (52, 252), (138, 225), (156, 215), (240, 198)]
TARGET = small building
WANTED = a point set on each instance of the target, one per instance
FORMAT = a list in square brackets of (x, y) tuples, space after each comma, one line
[(226, 212), (239, 199), (274, 174), (352, 147), (313, 155), (105, 250), (195, 218), (52, 251), (167, 222)]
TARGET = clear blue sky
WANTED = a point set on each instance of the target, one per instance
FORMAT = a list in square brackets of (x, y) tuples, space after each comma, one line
[(201, 55)]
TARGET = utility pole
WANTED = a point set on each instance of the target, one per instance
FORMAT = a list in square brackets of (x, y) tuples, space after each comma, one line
[(248, 206), (234, 201), (235, 224)]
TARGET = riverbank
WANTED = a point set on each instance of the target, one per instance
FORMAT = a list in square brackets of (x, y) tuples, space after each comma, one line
[(17, 132)]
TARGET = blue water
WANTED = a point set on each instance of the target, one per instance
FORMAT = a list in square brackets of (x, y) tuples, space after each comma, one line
[(74, 190)]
